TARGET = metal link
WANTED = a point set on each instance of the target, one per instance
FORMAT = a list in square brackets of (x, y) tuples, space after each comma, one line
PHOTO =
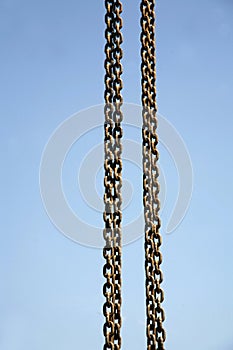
[(113, 175), (153, 258)]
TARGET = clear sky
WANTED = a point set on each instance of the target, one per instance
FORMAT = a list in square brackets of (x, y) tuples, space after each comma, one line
[(51, 66)]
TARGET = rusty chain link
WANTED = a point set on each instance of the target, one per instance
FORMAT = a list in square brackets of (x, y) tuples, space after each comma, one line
[(113, 175), (153, 258)]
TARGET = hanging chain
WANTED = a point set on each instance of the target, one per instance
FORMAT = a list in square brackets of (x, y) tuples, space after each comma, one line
[(108, 271), (117, 133), (113, 175), (153, 258)]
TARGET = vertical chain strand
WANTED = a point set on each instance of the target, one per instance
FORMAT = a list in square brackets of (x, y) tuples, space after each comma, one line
[(108, 270), (113, 175), (154, 294), (117, 133), (157, 256)]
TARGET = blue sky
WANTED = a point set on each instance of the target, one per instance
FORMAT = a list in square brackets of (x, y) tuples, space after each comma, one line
[(51, 67)]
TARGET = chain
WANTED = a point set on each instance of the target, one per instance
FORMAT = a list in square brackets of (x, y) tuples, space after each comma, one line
[(153, 258), (118, 133), (113, 175), (108, 270)]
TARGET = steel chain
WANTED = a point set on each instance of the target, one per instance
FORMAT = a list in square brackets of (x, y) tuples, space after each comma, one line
[(153, 258), (108, 270), (113, 175)]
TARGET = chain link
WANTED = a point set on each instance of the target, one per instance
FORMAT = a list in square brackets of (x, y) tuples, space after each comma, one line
[(153, 258), (113, 175)]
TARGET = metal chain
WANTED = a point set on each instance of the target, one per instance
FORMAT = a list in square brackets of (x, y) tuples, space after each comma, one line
[(154, 294), (113, 175), (117, 133)]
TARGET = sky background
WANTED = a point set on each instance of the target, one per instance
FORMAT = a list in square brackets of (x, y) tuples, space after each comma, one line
[(51, 66)]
